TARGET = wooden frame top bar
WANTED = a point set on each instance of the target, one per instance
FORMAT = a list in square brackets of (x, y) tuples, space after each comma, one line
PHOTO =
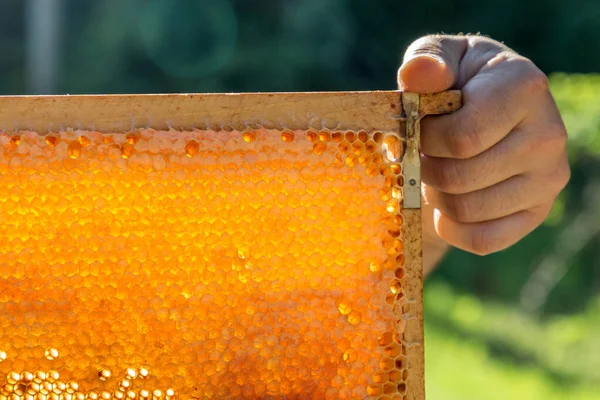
[(375, 110)]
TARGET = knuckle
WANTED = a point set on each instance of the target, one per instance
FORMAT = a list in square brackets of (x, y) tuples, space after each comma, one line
[(534, 80), (549, 139), (556, 136)]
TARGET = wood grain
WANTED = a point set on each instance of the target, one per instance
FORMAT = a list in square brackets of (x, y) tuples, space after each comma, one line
[(377, 110), (412, 316), (440, 103), (413, 293)]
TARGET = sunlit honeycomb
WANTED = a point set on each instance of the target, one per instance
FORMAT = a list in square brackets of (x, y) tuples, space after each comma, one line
[(201, 264)]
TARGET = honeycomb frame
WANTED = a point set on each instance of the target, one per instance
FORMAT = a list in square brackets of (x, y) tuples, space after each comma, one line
[(326, 112)]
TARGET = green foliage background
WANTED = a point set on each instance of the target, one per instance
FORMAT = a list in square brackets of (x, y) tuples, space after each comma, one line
[(520, 324)]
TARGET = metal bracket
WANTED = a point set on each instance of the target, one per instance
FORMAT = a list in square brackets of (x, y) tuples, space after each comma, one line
[(411, 162)]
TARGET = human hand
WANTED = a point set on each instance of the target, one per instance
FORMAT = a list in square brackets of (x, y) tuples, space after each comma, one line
[(492, 170)]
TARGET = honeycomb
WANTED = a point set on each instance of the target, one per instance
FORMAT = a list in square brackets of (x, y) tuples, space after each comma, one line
[(201, 264)]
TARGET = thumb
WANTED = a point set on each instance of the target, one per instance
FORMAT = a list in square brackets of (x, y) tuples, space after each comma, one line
[(431, 64)]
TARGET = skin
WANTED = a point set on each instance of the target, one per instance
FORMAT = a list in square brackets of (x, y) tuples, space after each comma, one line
[(492, 170)]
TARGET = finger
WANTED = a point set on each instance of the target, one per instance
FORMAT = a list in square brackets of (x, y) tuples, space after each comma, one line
[(490, 236), (435, 63), (518, 193), (431, 64), (510, 157), (494, 103)]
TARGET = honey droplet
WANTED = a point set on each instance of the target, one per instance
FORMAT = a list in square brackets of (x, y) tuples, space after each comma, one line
[(132, 373), (312, 136), (52, 140), (351, 160), (27, 377), (104, 374), (13, 377), (132, 137), (144, 373), (74, 149), (319, 148), (392, 205), (249, 136), (398, 219), (127, 150), (374, 390), (52, 376), (354, 318), (358, 148), (324, 136), (396, 287), (124, 384), (2, 356), (350, 355), (344, 308), (59, 387), (84, 140), (51, 353), (191, 148), (374, 267), (287, 136)]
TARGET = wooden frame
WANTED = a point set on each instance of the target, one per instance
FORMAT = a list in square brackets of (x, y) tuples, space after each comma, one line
[(371, 111)]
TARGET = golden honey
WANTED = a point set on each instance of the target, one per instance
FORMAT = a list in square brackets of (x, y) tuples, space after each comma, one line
[(200, 264)]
